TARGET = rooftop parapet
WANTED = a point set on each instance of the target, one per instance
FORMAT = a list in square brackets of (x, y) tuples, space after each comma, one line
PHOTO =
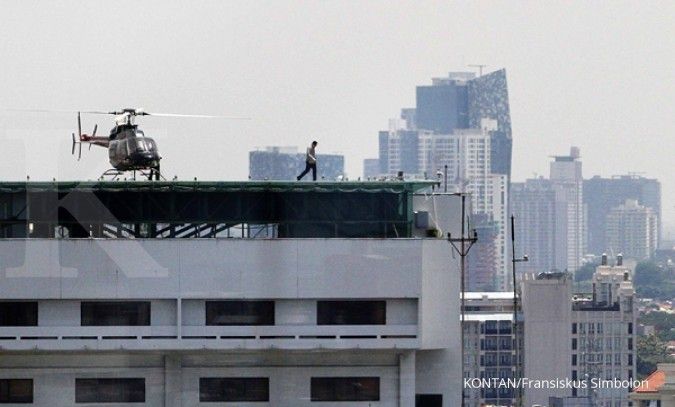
[(248, 209)]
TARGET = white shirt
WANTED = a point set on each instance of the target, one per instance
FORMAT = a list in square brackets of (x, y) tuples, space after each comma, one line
[(311, 155)]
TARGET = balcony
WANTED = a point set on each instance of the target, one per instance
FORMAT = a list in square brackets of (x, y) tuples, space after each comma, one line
[(66, 338)]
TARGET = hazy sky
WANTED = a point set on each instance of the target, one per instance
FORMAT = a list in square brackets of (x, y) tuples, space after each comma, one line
[(599, 75)]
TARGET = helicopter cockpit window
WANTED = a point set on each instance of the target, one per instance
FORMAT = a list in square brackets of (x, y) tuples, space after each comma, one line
[(141, 145), (122, 148), (151, 144)]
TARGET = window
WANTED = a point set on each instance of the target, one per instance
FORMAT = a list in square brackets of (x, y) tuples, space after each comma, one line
[(351, 313), (118, 390), (574, 360), (574, 328), (214, 389), (630, 327), (630, 343), (239, 312), (16, 391), (574, 343), (128, 313), (428, 400), (345, 389), (18, 314)]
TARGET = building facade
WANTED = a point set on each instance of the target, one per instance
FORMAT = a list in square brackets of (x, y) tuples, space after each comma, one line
[(602, 194), (631, 229), (533, 205), (315, 313), (587, 339), (490, 347), (463, 101)]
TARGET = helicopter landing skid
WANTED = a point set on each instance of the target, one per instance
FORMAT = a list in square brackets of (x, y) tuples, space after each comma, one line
[(115, 175)]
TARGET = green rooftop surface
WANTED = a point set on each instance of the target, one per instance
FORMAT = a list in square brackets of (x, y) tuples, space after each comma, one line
[(213, 186)]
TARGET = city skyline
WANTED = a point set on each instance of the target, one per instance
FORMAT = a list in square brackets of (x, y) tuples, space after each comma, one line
[(585, 84)]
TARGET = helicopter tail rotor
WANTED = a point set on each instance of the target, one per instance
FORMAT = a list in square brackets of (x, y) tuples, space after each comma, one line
[(78, 141), (93, 134)]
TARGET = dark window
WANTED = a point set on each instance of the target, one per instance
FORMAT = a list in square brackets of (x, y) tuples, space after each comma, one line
[(574, 328), (127, 313), (630, 327), (16, 390), (214, 389), (574, 343), (127, 390), (239, 312), (18, 313), (630, 343), (351, 312), (574, 360), (630, 360), (345, 389), (429, 400)]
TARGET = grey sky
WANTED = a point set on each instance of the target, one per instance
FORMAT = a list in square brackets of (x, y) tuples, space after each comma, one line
[(594, 74)]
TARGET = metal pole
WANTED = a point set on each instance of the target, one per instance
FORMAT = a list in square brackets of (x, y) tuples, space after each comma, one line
[(446, 190), (463, 251), (514, 260)]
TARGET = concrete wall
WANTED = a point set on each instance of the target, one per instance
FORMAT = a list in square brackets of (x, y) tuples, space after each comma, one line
[(547, 311), (212, 268)]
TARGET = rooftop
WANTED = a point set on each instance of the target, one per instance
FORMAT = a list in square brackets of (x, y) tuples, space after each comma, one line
[(652, 383)]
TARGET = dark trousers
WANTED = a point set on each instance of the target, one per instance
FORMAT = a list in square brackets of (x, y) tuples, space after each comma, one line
[(308, 167)]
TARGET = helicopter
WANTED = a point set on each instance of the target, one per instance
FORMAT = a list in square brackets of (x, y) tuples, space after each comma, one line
[(129, 149)]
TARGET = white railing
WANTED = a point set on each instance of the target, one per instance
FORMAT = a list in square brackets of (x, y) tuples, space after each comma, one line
[(209, 337)]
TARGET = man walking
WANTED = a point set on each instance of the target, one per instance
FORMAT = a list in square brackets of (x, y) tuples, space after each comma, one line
[(310, 161)]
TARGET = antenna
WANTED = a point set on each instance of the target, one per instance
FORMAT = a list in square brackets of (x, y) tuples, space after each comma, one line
[(480, 68), (463, 251), (514, 260)]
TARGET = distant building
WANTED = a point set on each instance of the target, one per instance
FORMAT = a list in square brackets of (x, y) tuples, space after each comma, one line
[(490, 346), (410, 117), (399, 152), (533, 205), (602, 194), (371, 168), (462, 101), (570, 231), (484, 255), (631, 229), (550, 217), (285, 163)]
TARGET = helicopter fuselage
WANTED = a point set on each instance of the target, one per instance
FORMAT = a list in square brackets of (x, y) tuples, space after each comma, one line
[(129, 149)]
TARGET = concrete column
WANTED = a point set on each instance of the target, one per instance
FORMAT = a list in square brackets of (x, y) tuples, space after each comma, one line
[(406, 372), (173, 382)]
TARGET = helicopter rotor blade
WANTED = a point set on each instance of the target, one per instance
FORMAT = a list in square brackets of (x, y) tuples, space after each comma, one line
[(79, 126), (59, 111), (200, 116), (79, 154), (72, 150)]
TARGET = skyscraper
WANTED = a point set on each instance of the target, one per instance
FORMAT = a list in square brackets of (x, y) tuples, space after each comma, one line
[(463, 101), (570, 231), (602, 194), (459, 124), (533, 206), (631, 230)]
